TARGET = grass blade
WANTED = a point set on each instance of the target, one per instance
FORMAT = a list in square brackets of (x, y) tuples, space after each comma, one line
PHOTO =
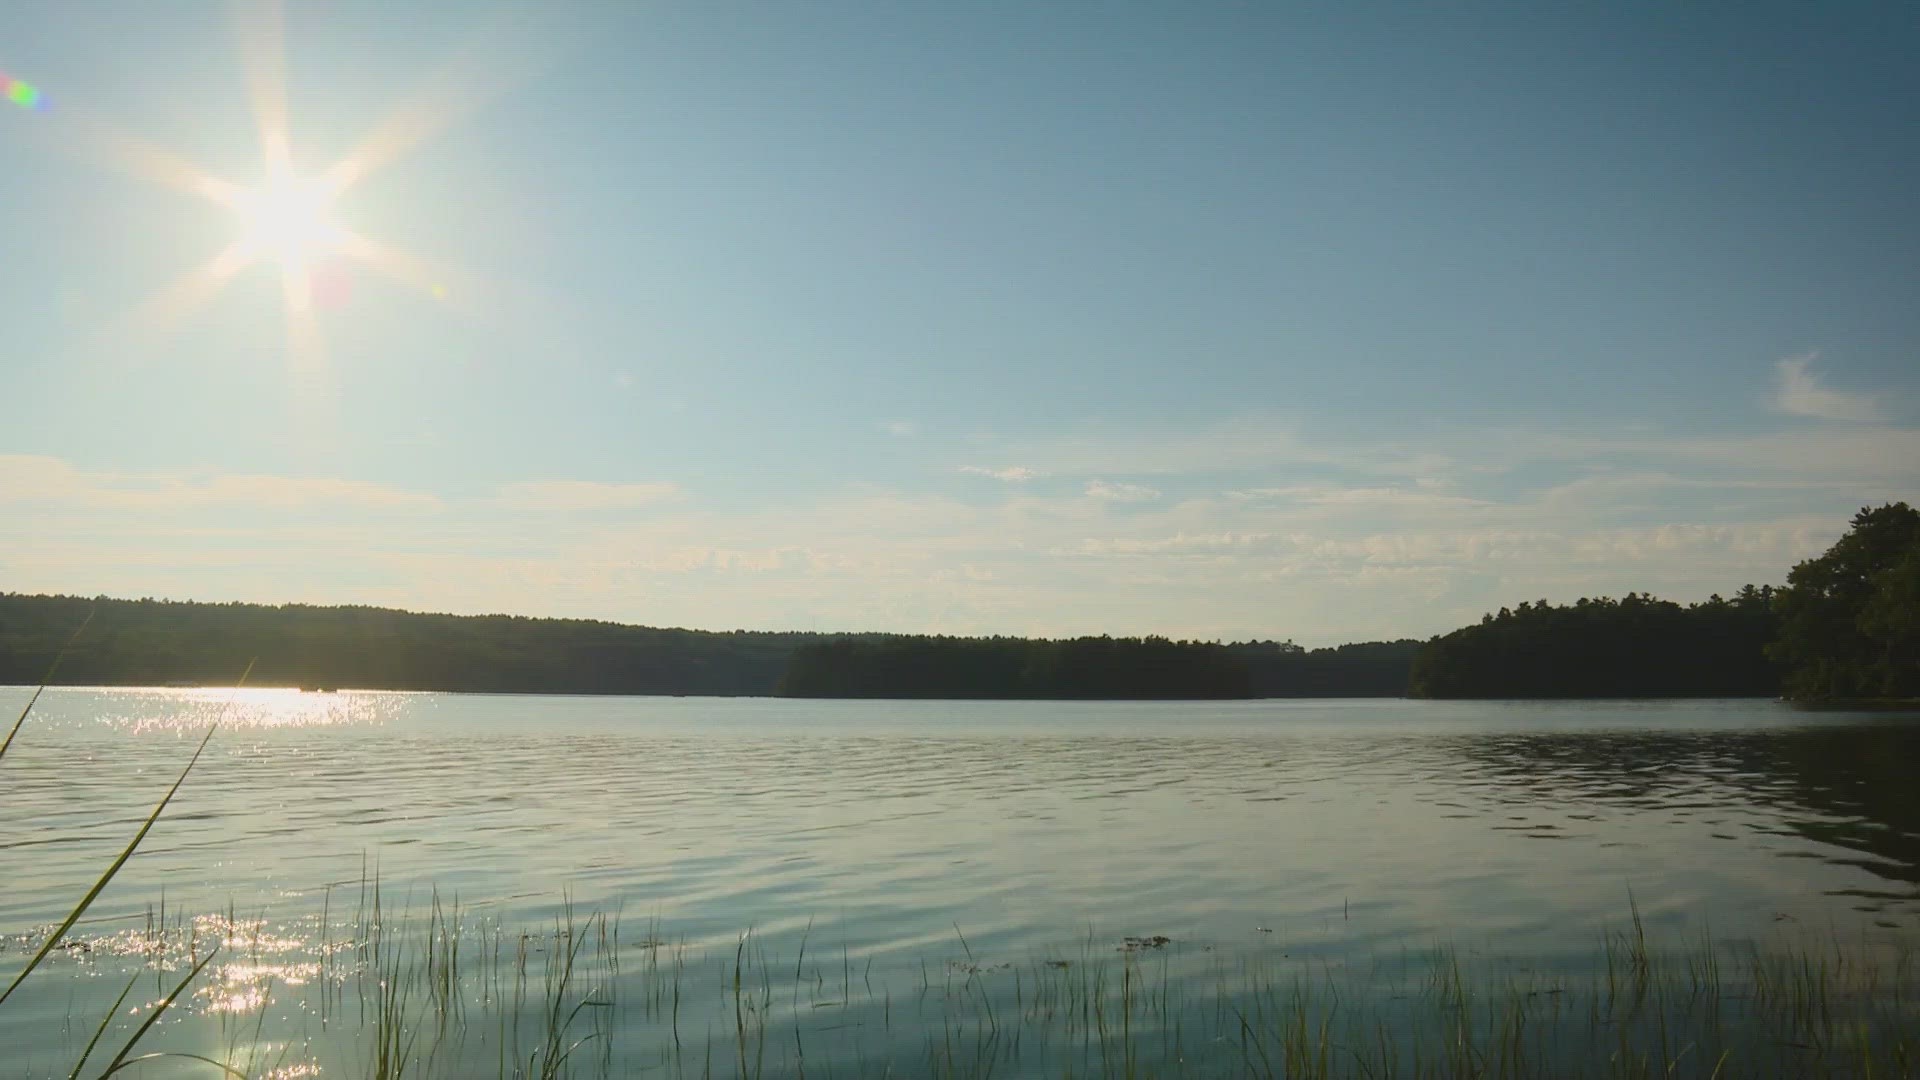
[(102, 1029), (100, 886), (51, 669), (120, 1059), (201, 1058)]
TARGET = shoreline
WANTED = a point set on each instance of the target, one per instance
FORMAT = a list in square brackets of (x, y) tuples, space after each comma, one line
[(1868, 705)]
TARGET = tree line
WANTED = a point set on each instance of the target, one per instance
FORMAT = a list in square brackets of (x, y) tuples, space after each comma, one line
[(1846, 627), (1636, 646), (161, 643), (1850, 619), (152, 642), (945, 667)]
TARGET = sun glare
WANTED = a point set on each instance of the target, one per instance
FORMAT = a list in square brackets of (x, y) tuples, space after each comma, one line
[(290, 220)]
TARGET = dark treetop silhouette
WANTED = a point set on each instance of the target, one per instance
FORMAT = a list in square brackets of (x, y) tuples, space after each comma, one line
[(158, 642), (1633, 647), (1850, 619), (1014, 668), (1846, 628)]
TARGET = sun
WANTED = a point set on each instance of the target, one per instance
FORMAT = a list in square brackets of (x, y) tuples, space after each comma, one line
[(291, 220), (291, 217)]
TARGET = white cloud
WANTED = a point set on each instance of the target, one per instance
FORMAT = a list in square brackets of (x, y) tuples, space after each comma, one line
[(1320, 536), (1427, 495), (54, 482), (1063, 564), (1797, 392), (1115, 492), (1610, 491), (1012, 474), (1164, 447), (586, 494), (1160, 545), (900, 429)]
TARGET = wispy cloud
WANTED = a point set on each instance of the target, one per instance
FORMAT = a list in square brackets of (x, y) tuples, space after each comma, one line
[(1012, 474), (1321, 570), (1128, 547), (53, 481), (1234, 444), (1115, 492), (1797, 392), (1269, 527), (900, 429), (586, 494), (1337, 495)]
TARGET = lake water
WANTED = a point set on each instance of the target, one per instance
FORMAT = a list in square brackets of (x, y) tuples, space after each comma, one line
[(896, 838)]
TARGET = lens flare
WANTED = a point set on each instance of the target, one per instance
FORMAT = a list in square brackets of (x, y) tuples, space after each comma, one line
[(21, 93)]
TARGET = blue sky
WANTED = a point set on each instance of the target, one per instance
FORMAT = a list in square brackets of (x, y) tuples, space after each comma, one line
[(1217, 321)]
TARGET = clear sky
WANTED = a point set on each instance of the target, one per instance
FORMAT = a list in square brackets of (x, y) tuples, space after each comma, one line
[(1313, 321)]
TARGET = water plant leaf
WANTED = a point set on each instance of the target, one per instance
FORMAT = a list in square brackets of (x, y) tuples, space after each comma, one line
[(105, 1022), (120, 1060), (99, 886), (51, 670), (201, 1058)]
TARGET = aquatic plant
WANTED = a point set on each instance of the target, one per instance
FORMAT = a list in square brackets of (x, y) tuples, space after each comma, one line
[(432, 995), (125, 1056)]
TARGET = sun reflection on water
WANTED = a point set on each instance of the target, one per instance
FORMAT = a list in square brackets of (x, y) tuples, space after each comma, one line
[(183, 711)]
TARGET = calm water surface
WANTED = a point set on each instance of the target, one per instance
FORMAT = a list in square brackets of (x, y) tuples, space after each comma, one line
[(893, 827)]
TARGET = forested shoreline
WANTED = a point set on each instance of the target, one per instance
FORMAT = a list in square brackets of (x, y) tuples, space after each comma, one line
[(163, 643), (1016, 668), (1846, 627), (175, 643), (1636, 646)]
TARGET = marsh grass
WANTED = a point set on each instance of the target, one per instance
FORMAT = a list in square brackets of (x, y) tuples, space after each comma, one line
[(1817, 1008), (436, 989), (404, 987), (126, 1056)]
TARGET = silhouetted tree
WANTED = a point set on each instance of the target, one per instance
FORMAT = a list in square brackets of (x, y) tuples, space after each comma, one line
[(155, 643), (1637, 646), (1367, 668), (946, 667), (1848, 619), (158, 642)]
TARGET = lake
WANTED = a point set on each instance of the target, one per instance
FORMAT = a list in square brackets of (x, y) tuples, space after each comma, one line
[(857, 856)]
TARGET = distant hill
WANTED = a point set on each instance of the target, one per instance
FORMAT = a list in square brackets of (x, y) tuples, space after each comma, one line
[(162, 642)]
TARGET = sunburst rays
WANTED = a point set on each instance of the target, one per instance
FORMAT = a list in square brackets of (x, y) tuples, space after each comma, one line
[(287, 218)]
